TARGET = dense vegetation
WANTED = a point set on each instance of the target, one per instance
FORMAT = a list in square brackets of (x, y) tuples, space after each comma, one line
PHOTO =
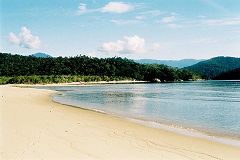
[(233, 75), (25, 69), (56, 79), (211, 68)]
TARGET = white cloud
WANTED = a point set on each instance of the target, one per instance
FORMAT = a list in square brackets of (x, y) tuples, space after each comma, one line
[(135, 44), (82, 8), (117, 7), (128, 45), (111, 7), (111, 47), (25, 39), (13, 38)]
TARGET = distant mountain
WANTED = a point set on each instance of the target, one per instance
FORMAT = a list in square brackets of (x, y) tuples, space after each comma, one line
[(212, 68), (41, 55), (173, 63), (230, 75)]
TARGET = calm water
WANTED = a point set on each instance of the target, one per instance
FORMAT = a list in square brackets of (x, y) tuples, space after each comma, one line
[(212, 106)]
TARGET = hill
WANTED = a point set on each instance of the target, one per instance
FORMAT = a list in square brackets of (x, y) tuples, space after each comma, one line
[(213, 67), (230, 75), (17, 65), (41, 55), (173, 63)]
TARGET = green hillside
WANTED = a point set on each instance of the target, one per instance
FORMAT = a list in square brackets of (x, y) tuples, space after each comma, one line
[(230, 75), (61, 69), (211, 68)]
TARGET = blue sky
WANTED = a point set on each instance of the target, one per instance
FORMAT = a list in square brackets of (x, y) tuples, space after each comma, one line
[(157, 29)]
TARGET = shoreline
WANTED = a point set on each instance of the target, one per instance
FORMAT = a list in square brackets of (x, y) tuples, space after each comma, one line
[(182, 129), (35, 127), (80, 83), (176, 128)]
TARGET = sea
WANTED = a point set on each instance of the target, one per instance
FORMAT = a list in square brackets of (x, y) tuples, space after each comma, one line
[(207, 109)]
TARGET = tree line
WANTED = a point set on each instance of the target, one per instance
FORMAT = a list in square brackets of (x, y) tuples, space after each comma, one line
[(214, 67), (13, 67), (230, 75)]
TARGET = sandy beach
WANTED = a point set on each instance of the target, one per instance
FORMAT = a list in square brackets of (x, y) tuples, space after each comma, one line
[(34, 127)]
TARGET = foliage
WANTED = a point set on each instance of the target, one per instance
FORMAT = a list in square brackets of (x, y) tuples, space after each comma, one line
[(230, 75), (4, 80), (56, 79), (29, 69), (211, 68), (165, 73)]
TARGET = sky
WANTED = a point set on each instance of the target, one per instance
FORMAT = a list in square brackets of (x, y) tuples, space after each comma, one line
[(136, 29)]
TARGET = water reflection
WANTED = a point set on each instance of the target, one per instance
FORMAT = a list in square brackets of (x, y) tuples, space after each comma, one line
[(210, 105)]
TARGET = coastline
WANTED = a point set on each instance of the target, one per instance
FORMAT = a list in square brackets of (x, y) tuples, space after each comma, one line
[(176, 128), (35, 127), (81, 83), (179, 128)]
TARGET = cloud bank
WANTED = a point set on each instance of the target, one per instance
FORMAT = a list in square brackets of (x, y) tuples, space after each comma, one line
[(117, 7), (110, 7), (25, 39), (129, 45)]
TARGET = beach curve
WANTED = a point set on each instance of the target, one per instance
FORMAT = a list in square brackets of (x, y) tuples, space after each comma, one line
[(34, 127)]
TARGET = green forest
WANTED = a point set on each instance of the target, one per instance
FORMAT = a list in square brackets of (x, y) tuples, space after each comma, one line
[(29, 69), (232, 75), (212, 68)]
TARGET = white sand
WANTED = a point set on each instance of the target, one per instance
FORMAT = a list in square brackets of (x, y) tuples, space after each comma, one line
[(33, 127)]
